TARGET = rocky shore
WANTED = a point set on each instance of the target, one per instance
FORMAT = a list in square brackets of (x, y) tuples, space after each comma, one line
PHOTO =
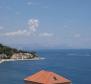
[(7, 60)]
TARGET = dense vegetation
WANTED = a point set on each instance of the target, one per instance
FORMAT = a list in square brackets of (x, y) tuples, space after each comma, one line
[(8, 51)]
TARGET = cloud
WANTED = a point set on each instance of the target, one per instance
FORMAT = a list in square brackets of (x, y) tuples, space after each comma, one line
[(33, 24), (0, 6), (45, 7), (29, 3), (65, 26), (46, 34), (1, 27), (77, 35), (9, 8), (17, 13), (17, 33)]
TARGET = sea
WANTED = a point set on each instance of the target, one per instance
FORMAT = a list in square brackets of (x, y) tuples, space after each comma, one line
[(73, 64)]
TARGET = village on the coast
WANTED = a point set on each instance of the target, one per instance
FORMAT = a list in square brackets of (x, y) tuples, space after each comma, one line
[(10, 54)]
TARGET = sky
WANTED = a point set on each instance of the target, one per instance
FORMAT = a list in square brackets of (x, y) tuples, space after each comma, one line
[(46, 24)]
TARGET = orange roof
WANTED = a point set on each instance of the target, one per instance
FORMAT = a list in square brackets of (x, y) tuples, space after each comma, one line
[(47, 77)]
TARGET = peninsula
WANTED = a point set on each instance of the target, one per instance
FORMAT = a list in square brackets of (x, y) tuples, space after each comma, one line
[(12, 54)]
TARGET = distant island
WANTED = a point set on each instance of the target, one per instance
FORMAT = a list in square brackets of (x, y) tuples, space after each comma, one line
[(8, 53)]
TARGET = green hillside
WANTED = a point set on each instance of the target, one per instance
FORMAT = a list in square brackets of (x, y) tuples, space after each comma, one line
[(8, 51)]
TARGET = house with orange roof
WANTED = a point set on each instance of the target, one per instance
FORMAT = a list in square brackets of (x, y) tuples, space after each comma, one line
[(46, 77)]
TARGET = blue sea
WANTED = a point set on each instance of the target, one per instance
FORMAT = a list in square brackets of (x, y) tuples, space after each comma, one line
[(73, 64)]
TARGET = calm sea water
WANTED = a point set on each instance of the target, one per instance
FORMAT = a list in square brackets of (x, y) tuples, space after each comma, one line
[(72, 64)]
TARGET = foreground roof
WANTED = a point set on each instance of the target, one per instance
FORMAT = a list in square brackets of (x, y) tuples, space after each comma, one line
[(47, 77)]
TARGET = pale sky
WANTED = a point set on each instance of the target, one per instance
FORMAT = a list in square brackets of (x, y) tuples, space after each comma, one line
[(44, 24)]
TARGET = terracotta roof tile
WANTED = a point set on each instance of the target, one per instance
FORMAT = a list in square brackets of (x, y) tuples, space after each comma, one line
[(47, 77)]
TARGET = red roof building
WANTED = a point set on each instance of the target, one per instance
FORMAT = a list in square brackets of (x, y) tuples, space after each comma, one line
[(46, 77)]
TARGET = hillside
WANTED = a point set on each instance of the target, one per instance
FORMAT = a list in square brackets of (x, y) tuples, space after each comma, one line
[(8, 51)]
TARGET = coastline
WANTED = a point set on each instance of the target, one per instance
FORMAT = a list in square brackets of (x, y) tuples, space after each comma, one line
[(7, 60)]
